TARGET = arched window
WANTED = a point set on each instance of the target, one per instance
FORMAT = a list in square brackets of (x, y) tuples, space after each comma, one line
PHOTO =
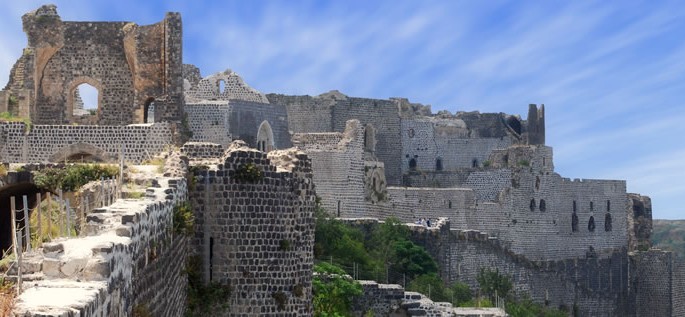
[(608, 205), (86, 100), (412, 164), (222, 86), (265, 137), (574, 206), (532, 204), (474, 163), (592, 206), (438, 164), (149, 111), (574, 222), (543, 205), (607, 222), (591, 224), (537, 182)]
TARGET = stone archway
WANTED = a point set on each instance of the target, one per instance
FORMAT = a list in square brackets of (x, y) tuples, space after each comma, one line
[(17, 190), (70, 92), (81, 152), (265, 137)]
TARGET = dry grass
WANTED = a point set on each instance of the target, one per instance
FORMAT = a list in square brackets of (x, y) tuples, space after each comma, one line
[(7, 297)]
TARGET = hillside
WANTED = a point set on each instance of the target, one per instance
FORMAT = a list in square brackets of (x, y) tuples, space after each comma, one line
[(669, 235)]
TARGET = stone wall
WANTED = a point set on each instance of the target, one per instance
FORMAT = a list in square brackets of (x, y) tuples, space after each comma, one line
[(449, 141), (338, 168), (257, 234), (658, 278), (234, 88), (245, 119), (128, 258), (50, 143), (119, 59), (307, 114), (208, 121), (202, 150)]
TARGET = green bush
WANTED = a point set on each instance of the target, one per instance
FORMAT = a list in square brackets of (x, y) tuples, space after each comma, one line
[(184, 219), (333, 291), (249, 172), (493, 283), (204, 299), (72, 177)]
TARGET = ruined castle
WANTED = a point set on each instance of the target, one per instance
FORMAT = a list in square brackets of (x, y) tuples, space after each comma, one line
[(579, 244)]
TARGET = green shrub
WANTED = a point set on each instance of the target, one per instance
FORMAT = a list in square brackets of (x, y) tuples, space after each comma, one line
[(72, 177), (204, 299), (333, 291), (184, 219), (248, 172)]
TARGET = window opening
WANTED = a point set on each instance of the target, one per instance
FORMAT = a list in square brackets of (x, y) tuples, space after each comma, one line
[(607, 222)]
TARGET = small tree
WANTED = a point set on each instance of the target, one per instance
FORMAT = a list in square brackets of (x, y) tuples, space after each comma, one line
[(492, 282), (333, 290), (461, 293), (432, 286)]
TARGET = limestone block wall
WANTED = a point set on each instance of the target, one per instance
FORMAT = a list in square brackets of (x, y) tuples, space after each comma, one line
[(246, 117), (226, 85), (595, 287), (658, 280), (427, 140), (54, 143), (383, 115), (306, 114), (208, 121), (129, 258), (257, 235), (410, 204), (338, 168)]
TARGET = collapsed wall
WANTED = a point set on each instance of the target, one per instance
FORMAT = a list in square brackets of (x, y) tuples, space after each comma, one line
[(129, 65), (73, 143), (130, 259), (255, 228)]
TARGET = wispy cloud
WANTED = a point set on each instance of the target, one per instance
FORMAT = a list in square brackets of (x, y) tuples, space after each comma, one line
[(611, 76)]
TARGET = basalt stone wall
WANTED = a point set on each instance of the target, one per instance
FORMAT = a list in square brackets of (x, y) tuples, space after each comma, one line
[(380, 299), (202, 150), (128, 64), (128, 258), (256, 233), (55, 143)]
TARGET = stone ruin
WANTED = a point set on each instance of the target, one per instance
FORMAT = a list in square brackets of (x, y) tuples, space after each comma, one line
[(255, 162)]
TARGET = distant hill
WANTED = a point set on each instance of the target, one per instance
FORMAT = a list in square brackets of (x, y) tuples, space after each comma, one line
[(669, 235)]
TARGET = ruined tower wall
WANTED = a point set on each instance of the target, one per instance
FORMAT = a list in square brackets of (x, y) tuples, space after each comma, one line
[(127, 64), (426, 141), (338, 168), (383, 115), (257, 234)]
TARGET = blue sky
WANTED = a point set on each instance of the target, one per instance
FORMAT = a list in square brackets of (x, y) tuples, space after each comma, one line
[(611, 74)]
